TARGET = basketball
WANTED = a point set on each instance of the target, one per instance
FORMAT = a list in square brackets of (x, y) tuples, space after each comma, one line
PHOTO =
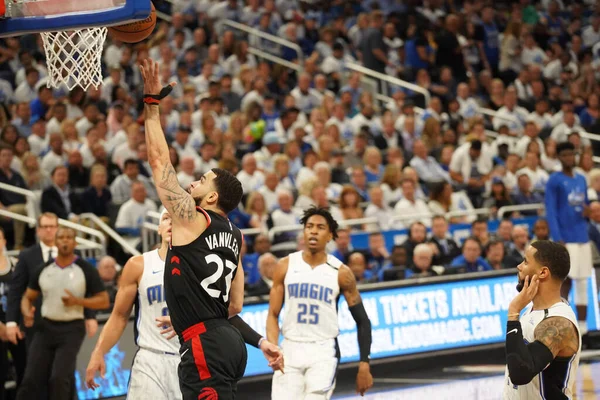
[(135, 31)]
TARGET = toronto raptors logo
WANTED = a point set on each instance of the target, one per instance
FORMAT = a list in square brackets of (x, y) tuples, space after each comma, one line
[(208, 394)]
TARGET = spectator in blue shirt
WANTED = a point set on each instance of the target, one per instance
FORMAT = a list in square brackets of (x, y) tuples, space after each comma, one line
[(41, 104), (343, 245), (262, 245), (471, 259), (398, 261)]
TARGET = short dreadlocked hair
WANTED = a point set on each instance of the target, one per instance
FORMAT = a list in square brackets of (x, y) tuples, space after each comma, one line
[(323, 212)]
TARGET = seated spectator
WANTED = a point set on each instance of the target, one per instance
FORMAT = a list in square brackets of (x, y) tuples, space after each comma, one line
[(343, 245), (284, 215), (350, 203), (208, 151), (256, 207), (410, 208), (470, 168), (96, 198), (79, 176), (373, 165), (537, 175), (186, 174), (358, 265), (35, 177), (266, 266), (500, 196), (417, 233), (541, 230), (516, 253), (133, 212), (38, 140), (391, 184), (58, 198), (524, 195), (594, 225), (250, 177), (269, 190), (377, 208), (496, 254), (120, 189), (11, 201), (377, 254), (470, 260), (262, 245), (427, 167), (271, 146), (421, 265), (358, 179), (479, 230), (107, 269), (410, 174), (446, 246), (504, 232), (322, 171), (56, 156), (395, 268)]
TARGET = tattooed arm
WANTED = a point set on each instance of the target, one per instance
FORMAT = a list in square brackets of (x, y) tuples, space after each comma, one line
[(559, 335)]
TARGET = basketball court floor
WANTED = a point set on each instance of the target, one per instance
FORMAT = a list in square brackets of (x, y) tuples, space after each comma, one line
[(464, 382)]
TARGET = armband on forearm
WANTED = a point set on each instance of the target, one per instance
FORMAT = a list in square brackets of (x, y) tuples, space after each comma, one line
[(249, 335), (524, 362), (363, 325), (154, 99)]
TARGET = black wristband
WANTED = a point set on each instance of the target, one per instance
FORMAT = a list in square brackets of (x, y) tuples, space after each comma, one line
[(154, 99), (249, 335)]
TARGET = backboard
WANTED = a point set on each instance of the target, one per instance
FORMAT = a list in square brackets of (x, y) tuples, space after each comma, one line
[(19, 17)]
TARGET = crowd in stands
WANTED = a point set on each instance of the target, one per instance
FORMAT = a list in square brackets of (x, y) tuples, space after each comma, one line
[(318, 134)]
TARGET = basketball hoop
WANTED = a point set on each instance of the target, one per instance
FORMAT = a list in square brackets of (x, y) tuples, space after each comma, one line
[(74, 57)]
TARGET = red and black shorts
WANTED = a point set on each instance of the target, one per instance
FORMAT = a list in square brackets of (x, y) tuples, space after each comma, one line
[(213, 360)]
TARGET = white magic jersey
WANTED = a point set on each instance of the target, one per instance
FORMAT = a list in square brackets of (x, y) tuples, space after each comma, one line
[(557, 381), (151, 304), (311, 296)]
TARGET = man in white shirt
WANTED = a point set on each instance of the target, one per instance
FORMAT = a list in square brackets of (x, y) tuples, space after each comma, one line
[(538, 176), (367, 117), (185, 176), (120, 189), (59, 114), (531, 135), (335, 63), (343, 123), (470, 168), (269, 190), (562, 131), (468, 105), (511, 114), (409, 206), (540, 115), (284, 214), (259, 90), (208, 150), (133, 212), (377, 208), (322, 171), (201, 81), (27, 90), (128, 149), (271, 145), (56, 156), (306, 98), (591, 33), (554, 68), (250, 177), (90, 117), (38, 142), (532, 53)]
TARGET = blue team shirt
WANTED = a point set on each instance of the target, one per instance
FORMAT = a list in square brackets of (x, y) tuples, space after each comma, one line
[(479, 265), (565, 198)]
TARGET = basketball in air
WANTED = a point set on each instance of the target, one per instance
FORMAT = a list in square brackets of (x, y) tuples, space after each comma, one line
[(135, 31)]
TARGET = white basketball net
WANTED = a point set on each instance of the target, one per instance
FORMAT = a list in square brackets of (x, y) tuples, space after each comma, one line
[(74, 57)]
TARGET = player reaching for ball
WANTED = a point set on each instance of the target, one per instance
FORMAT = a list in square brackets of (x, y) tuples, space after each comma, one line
[(309, 282), (203, 280)]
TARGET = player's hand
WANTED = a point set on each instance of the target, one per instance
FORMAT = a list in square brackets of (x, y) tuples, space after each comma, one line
[(151, 76), (364, 379), (29, 317), (69, 300), (96, 364), (164, 322), (91, 327), (3, 335), (14, 334), (273, 354), (525, 296)]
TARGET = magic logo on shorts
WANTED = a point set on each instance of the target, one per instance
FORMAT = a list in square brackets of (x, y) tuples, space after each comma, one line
[(208, 394)]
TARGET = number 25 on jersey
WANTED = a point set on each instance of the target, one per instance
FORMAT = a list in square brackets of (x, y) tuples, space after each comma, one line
[(308, 314)]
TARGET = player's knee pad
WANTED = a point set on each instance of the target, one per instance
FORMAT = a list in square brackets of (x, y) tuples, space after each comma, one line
[(581, 292)]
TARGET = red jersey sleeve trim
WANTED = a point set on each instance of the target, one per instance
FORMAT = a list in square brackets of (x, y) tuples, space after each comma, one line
[(205, 215)]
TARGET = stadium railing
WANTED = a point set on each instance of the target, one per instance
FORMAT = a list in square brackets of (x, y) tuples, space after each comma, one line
[(267, 36), (89, 248), (94, 221), (521, 207), (33, 203)]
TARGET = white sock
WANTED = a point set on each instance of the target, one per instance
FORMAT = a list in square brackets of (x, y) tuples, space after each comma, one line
[(583, 328)]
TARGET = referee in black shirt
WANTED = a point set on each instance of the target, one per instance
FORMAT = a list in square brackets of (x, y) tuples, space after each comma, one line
[(68, 284)]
